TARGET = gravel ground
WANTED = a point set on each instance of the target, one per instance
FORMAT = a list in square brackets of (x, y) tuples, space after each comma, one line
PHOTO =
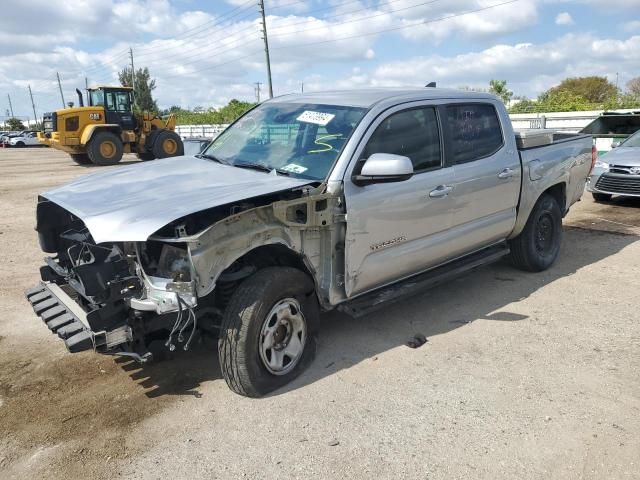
[(523, 375)]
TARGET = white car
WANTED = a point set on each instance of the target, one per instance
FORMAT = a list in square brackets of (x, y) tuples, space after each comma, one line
[(24, 140)]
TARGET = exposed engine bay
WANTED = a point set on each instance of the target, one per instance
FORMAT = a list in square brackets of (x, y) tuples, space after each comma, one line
[(136, 296)]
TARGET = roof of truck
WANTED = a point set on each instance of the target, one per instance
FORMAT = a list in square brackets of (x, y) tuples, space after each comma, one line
[(367, 97)]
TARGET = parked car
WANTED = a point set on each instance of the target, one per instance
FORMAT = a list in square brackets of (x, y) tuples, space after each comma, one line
[(195, 145), (307, 203), (617, 172), (26, 139)]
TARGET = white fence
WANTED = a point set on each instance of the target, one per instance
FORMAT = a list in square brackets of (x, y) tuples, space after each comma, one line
[(190, 131)]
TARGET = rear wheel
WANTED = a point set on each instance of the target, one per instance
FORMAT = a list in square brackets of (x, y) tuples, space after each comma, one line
[(538, 245), (601, 197), (105, 148), (167, 144), (266, 337), (80, 158)]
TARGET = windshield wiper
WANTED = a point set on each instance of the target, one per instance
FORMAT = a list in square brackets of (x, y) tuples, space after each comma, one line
[(211, 157), (260, 167)]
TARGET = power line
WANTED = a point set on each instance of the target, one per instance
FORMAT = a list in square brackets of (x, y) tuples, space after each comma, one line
[(341, 14), (211, 23), (206, 49), (401, 27), (359, 19)]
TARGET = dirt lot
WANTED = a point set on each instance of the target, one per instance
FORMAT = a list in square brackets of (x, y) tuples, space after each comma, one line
[(523, 376)]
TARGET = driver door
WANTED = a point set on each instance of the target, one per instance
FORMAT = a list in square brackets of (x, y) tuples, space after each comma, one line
[(395, 230)]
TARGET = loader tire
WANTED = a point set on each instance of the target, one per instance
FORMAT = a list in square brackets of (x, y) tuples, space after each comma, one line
[(167, 143), (145, 156), (80, 158), (105, 148), (538, 245), (267, 332)]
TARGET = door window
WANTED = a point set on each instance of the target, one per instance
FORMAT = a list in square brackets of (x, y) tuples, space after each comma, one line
[(118, 102), (474, 131), (412, 133)]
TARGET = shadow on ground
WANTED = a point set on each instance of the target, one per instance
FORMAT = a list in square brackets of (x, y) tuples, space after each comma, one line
[(482, 295)]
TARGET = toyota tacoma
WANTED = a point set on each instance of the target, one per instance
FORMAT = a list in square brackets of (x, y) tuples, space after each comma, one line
[(307, 203)]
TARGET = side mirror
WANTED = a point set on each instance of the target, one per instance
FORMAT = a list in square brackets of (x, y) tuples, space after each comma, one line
[(615, 144), (384, 168)]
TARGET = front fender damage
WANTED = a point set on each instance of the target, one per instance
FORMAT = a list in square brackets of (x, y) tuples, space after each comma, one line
[(311, 227)]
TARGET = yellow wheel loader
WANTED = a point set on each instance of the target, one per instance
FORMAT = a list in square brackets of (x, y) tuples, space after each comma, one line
[(105, 129)]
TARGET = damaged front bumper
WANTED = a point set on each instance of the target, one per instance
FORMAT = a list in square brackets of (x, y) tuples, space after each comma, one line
[(77, 328)]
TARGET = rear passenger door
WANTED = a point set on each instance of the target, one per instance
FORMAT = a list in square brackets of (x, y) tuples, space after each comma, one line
[(486, 171)]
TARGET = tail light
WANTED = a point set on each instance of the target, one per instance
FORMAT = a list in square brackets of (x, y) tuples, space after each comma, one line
[(594, 157)]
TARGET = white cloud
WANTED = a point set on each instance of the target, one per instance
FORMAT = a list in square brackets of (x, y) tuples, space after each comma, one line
[(529, 68), (632, 26), (564, 18)]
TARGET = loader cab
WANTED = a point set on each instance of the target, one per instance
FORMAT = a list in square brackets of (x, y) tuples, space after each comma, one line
[(117, 103)]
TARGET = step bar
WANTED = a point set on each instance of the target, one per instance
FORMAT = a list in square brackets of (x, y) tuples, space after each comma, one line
[(370, 302)]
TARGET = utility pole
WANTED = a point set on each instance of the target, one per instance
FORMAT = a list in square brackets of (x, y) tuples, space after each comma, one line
[(257, 89), (34, 106), (60, 87), (133, 76), (266, 47), (10, 106)]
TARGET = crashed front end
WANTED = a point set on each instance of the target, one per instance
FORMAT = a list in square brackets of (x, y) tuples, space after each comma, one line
[(113, 297)]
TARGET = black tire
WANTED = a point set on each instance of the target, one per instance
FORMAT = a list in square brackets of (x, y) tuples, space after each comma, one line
[(538, 245), (167, 143), (145, 156), (105, 148), (239, 347), (80, 158), (601, 197), (19, 144)]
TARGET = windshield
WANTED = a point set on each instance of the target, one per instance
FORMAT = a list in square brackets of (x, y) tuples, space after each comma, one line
[(632, 141), (301, 140)]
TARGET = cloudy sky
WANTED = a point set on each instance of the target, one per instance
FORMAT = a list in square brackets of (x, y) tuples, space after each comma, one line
[(204, 52)]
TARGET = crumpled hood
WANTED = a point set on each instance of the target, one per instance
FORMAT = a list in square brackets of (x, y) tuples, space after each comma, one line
[(627, 156), (131, 203)]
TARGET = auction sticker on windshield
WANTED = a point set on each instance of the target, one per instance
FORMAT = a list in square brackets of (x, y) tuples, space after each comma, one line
[(294, 168), (319, 118)]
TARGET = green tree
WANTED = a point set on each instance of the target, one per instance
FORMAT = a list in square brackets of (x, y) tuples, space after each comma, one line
[(226, 114), (15, 124), (499, 88), (144, 86), (592, 89)]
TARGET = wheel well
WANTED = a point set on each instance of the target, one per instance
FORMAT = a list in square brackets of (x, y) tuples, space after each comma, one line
[(559, 192), (275, 255), (115, 130)]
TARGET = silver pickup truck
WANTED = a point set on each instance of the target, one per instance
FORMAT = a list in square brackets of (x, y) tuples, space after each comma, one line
[(307, 203)]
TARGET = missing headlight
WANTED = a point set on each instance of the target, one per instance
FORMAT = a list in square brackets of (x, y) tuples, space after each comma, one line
[(167, 261)]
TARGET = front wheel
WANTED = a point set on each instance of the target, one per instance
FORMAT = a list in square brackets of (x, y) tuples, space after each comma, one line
[(105, 148), (601, 197), (538, 245), (266, 336)]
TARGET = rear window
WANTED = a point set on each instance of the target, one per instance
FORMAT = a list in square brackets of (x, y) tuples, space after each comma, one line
[(474, 131)]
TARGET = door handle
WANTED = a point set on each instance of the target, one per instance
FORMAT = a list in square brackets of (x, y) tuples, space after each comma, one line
[(506, 173), (440, 191)]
